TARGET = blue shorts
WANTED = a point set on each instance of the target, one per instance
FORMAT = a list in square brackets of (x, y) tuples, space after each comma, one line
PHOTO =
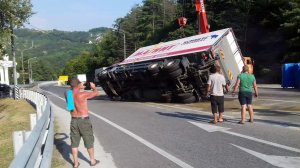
[(245, 98)]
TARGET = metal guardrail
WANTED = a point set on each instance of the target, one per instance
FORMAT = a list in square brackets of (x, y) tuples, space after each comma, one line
[(36, 149)]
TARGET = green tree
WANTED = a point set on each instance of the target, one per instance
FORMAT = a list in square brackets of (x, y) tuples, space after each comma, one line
[(13, 13), (291, 26), (42, 71)]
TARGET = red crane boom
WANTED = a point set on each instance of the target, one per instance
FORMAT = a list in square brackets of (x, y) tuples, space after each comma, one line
[(203, 24)]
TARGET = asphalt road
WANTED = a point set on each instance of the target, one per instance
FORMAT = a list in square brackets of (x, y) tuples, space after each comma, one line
[(154, 135)]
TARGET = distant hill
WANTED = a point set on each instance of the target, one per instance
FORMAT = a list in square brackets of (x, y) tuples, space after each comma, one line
[(54, 47)]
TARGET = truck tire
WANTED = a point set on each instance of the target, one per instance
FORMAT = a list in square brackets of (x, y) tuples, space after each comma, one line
[(154, 76), (171, 65), (166, 98), (137, 94), (175, 73), (153, 68), (151, 94), (183, 96), (103, 76), (189, 100), (112, 76)]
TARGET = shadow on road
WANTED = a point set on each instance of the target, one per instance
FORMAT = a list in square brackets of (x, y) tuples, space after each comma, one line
[(65, 149), (195, 117), (267, 112), (208, 118)]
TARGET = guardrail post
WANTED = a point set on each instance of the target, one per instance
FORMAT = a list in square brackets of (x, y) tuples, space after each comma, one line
[(38, 110), (32, 121), (26, 134), (17, 141)]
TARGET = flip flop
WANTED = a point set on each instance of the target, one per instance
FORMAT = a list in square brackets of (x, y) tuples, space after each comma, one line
[(76, 166), (250, 121), (220, 121), (241, 122), (97, 162)]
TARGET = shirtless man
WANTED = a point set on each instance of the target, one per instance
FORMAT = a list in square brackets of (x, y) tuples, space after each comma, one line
[(80, 124)]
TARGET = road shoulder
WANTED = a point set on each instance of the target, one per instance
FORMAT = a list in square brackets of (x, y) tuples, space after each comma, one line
[(63, 142)]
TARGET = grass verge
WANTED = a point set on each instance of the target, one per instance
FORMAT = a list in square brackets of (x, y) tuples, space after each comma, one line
[(14, 116)]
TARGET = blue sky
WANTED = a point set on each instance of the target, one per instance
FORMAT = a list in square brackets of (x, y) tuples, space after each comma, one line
[(78, 15)]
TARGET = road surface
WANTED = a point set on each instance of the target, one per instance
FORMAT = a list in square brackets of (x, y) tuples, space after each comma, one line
[(155, 135)]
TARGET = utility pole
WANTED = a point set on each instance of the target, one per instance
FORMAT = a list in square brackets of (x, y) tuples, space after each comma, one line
[(13, 50), (30, 70), (23, 78), (124, 41)]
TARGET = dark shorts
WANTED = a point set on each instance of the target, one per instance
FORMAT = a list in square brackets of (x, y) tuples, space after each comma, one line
[(81, 128), (217, 103), (245, 98)]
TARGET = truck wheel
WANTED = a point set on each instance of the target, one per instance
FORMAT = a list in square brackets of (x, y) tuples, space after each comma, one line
[(171, 65), (137, 94), (155, 76), (189, 100), (103, 76), (112, 76), (175, 73), (153, 68), (183, 96), (167, 97), (108, 92)]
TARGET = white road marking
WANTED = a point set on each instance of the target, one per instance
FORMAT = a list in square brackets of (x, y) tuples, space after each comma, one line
[(140, 139), (279, 161), (209, 128)]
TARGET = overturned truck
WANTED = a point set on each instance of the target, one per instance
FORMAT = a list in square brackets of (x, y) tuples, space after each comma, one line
[(174, 71)]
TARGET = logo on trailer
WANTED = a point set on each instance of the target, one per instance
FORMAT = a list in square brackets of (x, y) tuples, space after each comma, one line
[(213, 36)]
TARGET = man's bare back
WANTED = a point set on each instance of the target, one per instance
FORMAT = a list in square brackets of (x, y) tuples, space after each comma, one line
[(80, 100)]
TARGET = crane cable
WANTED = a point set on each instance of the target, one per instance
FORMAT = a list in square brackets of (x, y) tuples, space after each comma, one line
[(183, 8), (183, 16)]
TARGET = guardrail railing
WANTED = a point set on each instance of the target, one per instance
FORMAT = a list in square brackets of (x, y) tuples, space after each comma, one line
[(34, 148)]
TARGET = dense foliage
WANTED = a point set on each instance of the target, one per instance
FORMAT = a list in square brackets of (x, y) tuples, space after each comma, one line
[(52, 49)]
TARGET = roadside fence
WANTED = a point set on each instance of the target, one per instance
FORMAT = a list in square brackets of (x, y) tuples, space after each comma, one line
[(34, 148)]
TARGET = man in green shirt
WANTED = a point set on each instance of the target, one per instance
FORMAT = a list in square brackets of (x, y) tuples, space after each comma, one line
[(246, 82)]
